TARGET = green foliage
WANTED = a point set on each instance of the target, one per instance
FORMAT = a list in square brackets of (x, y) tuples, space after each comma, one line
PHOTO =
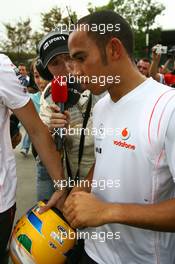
[(18, 36), (35, 39), (71, 18), (21, 43), (54, 18), (140, 47), (51, 19), (141, 16), (137, 13), (22, 57)]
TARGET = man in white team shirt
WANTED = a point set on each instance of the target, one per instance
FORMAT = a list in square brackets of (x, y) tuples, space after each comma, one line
[(13, 96), (131, 222)]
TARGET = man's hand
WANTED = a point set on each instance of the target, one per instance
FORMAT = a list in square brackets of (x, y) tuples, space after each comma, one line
[(57, 119), (83, 209), (154, 71), (57, 200), (155, 56), (16, 139)]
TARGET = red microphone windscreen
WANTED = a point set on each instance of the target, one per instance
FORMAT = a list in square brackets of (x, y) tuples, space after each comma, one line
[(59, 90)]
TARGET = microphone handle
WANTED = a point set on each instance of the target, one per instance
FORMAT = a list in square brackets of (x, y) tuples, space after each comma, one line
[(59, 135), (62, 107)]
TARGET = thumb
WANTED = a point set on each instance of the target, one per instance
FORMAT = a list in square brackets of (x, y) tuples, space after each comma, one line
[(45, 208), (54, 108), (51, 203)]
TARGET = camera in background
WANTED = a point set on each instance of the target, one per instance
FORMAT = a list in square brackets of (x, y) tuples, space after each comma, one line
[(159, 49)]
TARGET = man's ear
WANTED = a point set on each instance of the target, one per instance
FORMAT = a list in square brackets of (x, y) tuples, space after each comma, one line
[(115, 48)]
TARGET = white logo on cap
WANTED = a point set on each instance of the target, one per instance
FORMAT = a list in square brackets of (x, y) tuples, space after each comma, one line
[(49, 42), (46, 45)]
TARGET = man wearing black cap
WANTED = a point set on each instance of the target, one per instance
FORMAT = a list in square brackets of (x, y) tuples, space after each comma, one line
[(54, 54), (53, 46)]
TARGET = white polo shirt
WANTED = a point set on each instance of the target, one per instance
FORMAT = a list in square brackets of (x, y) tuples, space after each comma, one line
[(12, 96), (136, 161)]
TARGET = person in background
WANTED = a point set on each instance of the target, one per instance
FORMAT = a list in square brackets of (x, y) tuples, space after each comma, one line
[(32, 89), (164, 77), (143, 66), (26, 143), (23, 71)]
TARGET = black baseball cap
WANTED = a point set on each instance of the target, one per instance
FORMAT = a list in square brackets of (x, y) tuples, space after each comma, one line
[(54, 43)]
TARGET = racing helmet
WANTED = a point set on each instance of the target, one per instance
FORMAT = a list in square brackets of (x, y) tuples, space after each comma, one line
[(41, 238)]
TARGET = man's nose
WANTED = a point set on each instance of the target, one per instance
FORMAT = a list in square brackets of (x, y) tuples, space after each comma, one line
[(76, 69)]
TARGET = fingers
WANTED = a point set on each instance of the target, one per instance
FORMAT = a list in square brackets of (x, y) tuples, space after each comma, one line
[(74, 219), (67, 114), (70, 213), (43, 209), (77, 224), (71, 209), (68, 208), (52, 202), (55, 108), (57, 119), (71, 199)]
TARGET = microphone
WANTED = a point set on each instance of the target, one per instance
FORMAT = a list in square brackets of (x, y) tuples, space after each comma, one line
[(59, 92), (74, 93)]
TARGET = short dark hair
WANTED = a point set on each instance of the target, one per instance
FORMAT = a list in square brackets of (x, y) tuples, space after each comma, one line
[(21, 64), (125, 34), (145, 60)]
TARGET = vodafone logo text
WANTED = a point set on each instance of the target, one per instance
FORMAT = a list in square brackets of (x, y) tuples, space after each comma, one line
[(123, 144), (125, 135)]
